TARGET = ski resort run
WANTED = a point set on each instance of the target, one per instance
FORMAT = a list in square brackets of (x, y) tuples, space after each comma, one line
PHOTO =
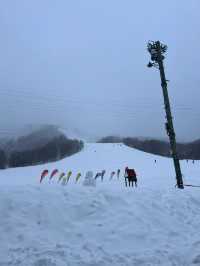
[(50, 224)]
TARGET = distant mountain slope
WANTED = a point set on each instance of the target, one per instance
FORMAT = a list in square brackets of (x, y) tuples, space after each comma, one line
[(44, 144), (110, 139), (189, 150)]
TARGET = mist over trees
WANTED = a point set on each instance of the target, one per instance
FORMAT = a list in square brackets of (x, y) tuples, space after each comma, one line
[(47, 144)]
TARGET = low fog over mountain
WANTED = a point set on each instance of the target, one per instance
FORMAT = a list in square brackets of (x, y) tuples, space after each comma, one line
[(37, 145)]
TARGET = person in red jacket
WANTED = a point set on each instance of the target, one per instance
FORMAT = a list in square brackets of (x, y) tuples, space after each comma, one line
[(132, 177)]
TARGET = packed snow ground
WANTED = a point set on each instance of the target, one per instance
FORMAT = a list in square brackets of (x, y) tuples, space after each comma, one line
[(53, 225)]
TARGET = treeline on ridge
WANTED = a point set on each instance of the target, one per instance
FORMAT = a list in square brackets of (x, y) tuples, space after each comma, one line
[(190, 150), (55, 148)]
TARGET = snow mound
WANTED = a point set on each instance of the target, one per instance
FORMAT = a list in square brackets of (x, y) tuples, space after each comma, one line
[(56, 226)]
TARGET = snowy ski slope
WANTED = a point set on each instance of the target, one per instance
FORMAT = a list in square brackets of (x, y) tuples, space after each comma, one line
[(50, 224)]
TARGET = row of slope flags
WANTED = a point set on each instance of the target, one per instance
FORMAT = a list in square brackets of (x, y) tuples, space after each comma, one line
[(62, 177), (65, 177)]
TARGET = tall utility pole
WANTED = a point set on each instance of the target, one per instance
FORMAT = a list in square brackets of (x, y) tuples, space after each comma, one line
[(156, 50)]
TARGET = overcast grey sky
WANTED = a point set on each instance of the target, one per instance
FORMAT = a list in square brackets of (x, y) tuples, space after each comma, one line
[(81, 64)]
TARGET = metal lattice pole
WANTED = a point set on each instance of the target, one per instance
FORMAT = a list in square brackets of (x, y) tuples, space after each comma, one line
[(157, 50)]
